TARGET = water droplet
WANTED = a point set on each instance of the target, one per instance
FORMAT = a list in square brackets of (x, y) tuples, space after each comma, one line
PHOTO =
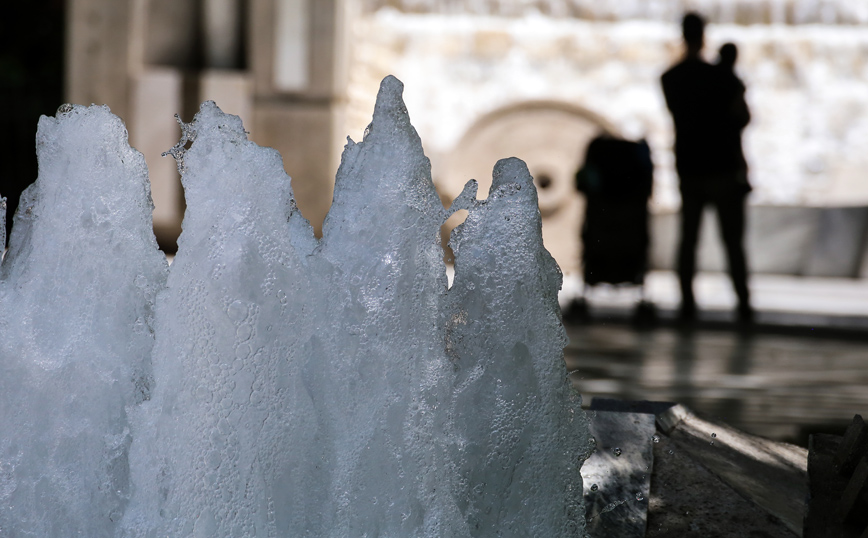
[(639, 496), (616, 451), (656, 438), (672, 452), (714, 435), (594, 487), (712, 443)]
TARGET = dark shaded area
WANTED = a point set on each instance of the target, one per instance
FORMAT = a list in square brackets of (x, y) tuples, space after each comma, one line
[(710, 479), (177, 37), (689, 500), (837, 506), (31, 84)]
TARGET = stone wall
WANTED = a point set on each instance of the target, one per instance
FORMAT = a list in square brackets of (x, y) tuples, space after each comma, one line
[(484, 78), (807, 89), (719, 11), (278, 64)]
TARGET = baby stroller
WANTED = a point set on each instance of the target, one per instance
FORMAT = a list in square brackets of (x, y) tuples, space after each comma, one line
[(616, 180)]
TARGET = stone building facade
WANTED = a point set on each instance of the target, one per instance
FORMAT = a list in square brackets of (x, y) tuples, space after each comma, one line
[(538, 78), (492, 78), (279, 64)]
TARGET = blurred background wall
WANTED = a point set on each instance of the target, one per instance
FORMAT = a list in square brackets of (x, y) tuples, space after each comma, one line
[(492, 78), (279, 64)]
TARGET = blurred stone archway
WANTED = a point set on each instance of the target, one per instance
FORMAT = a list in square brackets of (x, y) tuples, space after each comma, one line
[(551, 138)]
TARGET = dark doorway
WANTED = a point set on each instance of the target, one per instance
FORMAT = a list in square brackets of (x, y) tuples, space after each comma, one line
[(31, 84)]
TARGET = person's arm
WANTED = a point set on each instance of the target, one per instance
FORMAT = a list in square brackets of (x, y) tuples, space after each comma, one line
[(739, 111), (666, 84)]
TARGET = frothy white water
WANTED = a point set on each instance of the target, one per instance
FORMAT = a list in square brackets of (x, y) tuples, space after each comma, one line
[(269, 383)]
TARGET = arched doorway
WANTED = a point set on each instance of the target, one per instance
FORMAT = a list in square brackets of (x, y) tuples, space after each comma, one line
[(551, 138)]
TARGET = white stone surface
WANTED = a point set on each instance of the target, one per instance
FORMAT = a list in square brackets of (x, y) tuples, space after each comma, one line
[(156, 98), (806, 87), (471, 66), (743, 11)]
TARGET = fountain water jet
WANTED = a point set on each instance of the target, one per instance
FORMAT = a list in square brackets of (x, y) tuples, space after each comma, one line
[(271, 384)]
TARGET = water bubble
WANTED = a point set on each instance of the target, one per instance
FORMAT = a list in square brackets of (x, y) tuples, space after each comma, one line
[(594, 487), (714, 435), (244, 332), (672, 452), (237, 311), (203, 393), (639, 496), (656, 438), (243, 351), (616, 451)]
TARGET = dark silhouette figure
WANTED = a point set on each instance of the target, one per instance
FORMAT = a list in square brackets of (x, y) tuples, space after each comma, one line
[(616, 180), (727, 56), (709, 112)]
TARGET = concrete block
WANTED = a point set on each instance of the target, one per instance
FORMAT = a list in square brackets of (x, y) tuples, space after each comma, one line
[(853, 446), (171, 32), (306, 137), (853, 499), (155, 99), (292, 46), (97, 54), (687, 500), (772, 475), (779, 238), (838, 244), (231, 90), (663, 228), (310, 64), (221, 22)]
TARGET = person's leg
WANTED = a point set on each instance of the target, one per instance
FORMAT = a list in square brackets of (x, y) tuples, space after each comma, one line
[(731, 216), (691, 218)]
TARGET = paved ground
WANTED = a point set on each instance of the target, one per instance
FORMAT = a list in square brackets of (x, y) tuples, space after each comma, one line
[(779, 299), (802, 369)]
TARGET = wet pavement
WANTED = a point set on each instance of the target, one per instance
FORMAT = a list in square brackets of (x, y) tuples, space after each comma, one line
[(792, 374)]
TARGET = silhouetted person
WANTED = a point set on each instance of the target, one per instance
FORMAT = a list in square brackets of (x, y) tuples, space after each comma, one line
[(709, 112), (726, 56)]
